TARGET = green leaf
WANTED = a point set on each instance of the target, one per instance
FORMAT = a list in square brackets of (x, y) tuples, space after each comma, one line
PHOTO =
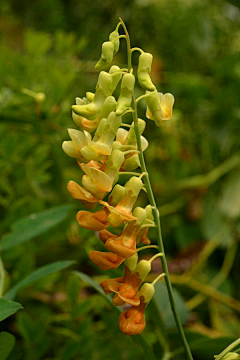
[(7, 342), (36, 275), (8, 308), (34, 225), (229, 201), (163, 305), (139, 339)]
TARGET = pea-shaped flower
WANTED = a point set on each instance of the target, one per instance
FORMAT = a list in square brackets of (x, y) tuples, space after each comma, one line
[(106, 56), (109, 105), (159, 106), (122, 211), (143, 73), (126, 94), (114, 215), (103, 90), (98, 182), (143, 233), (105, 260), (104, 137), (79, 140), (132, 321), (125, 244)]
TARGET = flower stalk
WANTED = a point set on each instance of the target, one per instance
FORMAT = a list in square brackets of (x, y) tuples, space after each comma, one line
[(110, 152)]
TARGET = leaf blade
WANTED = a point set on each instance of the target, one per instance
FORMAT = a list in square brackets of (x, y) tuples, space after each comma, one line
[(7, 342), (34, 225), (8, 308), (36, 275)]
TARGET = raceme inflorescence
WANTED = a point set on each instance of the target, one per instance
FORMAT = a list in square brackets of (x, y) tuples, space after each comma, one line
[(105, 149)]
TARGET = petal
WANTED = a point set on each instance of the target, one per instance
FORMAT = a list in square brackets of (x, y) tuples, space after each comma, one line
[(121, 246), (98, 177), (134, 301), (104, 235), (111, 285), (132, 321), (117, 301), (166, 101), (105, 260), (92, 221), (121, 135), (119, 214), (79, 193)]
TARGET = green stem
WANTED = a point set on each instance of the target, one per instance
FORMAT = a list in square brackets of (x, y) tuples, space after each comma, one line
[(155, 210), (159, 235), (228, 349), (129, 53)]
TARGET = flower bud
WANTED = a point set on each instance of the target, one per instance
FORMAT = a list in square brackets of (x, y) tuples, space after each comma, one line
[(109, 105), (148, 209), (117, 146), (104, 144), (131, 262), (131, 163), (70, 149), (114, 35), (106, 56), (90, 96), (133, 187), (140, 214), (113, 164), (90, 154), (131, 137), (143, 268), (115, 77), (144, 68), (144, 143), (147, 291), (79, 101), (125, 98), (121, 135), (116, 195), (231, 356), (153, 103), (100, 129)]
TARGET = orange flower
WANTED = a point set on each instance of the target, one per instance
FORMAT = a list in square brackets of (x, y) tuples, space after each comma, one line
[(105, 260), (125, 244), (132, 321), (105, 235), (125, 288), (122, 211), (93, 221), (79, 193)]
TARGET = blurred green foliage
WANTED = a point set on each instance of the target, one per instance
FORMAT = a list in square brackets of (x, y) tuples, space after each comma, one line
[(51, 46)]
